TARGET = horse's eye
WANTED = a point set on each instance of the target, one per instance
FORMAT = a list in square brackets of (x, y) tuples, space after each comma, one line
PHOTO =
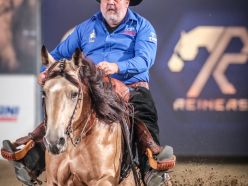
[(74, 95)]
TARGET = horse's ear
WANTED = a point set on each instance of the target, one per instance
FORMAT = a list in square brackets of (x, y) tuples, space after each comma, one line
[(46, 58), (77, 57)]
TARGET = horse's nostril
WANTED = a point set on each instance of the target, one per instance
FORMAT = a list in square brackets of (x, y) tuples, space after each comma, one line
[(61, 141)]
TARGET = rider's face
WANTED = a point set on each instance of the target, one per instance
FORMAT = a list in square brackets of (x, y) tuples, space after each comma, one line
[(114, 11)]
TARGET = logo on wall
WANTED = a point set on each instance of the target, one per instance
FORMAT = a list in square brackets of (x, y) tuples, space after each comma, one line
[(215, 40), (9, 113)]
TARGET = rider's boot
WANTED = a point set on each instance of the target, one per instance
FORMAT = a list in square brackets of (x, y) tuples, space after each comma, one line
[(29, 161), (155, 161)]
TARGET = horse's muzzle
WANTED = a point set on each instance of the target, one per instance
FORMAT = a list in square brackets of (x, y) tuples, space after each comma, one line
[(56, 147)]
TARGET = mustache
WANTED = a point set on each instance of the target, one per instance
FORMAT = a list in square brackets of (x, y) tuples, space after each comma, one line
[(111, 7)]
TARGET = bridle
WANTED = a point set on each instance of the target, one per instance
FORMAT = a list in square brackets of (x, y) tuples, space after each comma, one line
[(88, 123)]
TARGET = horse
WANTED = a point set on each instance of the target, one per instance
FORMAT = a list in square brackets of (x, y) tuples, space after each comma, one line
[(8, 57), (84, 141), (7, 52)]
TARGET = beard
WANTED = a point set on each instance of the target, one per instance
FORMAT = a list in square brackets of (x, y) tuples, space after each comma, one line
[(111, 17), (112, 14)]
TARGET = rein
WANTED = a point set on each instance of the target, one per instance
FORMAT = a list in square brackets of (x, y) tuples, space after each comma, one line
[(69, 129)]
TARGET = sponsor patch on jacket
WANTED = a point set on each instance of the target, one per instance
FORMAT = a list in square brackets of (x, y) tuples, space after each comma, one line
[(129, 31), (153, 37), (92, 36)]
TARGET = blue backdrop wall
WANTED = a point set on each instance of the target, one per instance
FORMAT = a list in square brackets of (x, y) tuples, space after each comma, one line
[(199, 80)]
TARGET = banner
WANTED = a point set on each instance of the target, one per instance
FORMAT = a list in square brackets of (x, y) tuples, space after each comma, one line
[(17, 106), (201, 82)]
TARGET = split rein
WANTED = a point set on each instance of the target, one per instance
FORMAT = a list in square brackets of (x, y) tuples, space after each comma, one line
[(69, 129)]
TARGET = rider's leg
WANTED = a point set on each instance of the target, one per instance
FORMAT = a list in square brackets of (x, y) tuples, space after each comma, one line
[(145, 111)]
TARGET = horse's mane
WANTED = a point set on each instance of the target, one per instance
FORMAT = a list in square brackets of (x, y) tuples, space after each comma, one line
[(108, 105)]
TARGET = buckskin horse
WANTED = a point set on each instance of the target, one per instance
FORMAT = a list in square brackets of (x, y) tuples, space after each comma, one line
[(83, 133), (8, 8)]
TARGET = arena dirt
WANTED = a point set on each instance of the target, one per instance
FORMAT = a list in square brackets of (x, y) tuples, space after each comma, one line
[(187, 174), (184, 174)]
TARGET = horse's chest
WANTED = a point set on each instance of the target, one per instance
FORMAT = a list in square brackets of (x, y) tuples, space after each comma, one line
[(70, 173), (63, 171)]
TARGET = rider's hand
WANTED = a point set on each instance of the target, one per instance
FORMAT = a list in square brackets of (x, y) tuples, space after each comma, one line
[(41, 78), (108, 68)]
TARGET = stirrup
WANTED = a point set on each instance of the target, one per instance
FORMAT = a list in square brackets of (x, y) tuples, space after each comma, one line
[(157, 178), (165, 160), (18, 154), (23, 173)]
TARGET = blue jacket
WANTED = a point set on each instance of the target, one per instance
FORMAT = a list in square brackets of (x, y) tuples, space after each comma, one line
[(132, 46)]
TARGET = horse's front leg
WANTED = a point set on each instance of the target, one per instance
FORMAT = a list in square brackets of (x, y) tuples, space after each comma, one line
[(104, 181), (101, 155), (57, 170), (51, 170)]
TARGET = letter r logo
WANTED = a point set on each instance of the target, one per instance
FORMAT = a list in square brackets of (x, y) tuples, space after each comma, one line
[(215, 40)]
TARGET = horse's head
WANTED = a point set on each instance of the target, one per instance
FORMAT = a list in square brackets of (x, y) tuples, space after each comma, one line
[(74, 92), (63, 94)]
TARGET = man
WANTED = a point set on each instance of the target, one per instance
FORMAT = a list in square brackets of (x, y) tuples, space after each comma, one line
[(123, 44)]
